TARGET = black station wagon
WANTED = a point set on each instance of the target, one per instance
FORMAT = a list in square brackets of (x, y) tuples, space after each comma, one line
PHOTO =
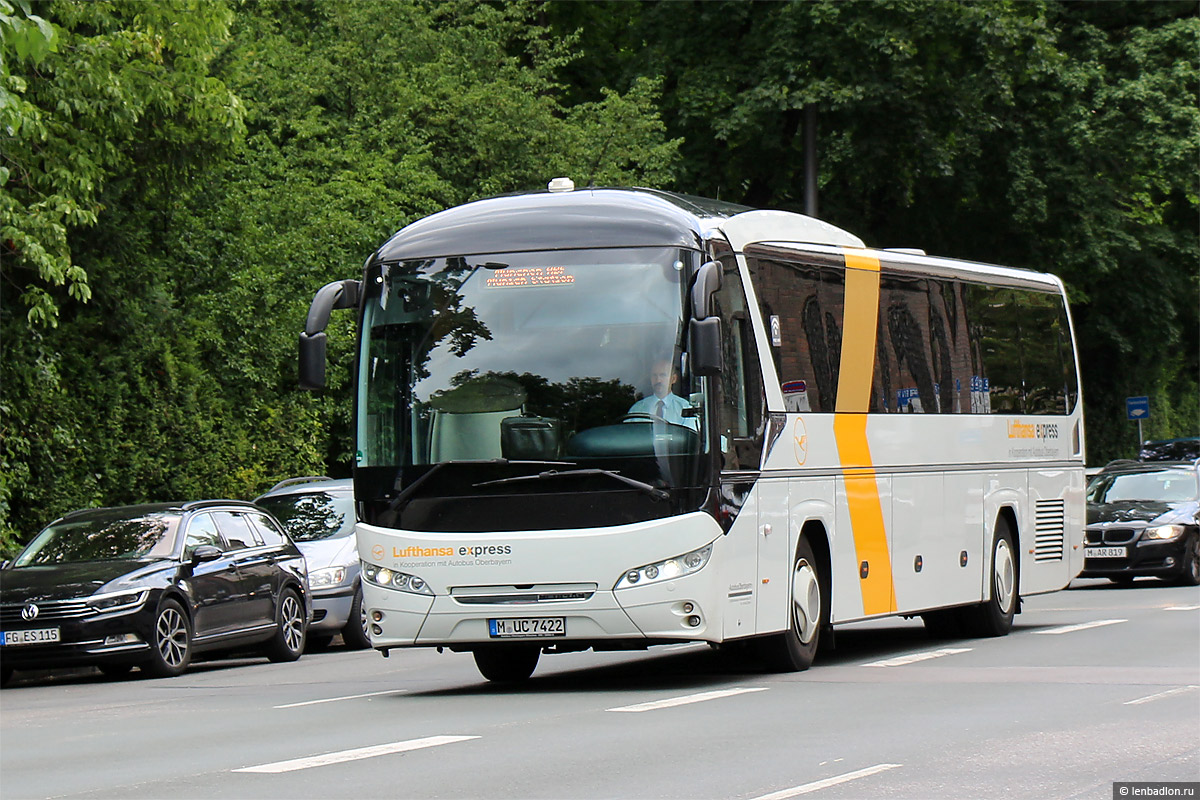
[(151, 586)]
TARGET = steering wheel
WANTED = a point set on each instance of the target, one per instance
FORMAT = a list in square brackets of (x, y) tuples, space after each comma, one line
[(638, 416)]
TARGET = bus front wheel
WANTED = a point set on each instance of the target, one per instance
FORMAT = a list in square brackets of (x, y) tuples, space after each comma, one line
[(508, 663), (808, 610)]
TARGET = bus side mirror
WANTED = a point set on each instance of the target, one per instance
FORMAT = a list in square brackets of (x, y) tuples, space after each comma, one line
[(704, 346), (706, 284), (312, 361), (331, 296)]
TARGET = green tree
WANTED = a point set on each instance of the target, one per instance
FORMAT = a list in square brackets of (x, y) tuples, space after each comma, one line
[(1055, 136), (226, 166)]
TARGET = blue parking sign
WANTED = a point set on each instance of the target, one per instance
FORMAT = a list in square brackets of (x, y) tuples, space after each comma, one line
[(1137, 408)]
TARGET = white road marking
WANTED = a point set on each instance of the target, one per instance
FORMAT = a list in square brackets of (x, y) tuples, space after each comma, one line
[(691, 698), (912, 658), (1161, 695), (335, 699), (354, 755), (1083, 626), (815, 786), (1184, 608)]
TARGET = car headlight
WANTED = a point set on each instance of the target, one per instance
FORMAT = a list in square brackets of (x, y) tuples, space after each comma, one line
[(1163, 532), (391, 579), (329, 576), (667, 569), (118, 601)]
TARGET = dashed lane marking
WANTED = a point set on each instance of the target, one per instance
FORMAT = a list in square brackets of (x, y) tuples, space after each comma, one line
[(336, 699), (1083, 626), (912, 658), (796, 791), (354, 755), (691, 698), (1161, 695)]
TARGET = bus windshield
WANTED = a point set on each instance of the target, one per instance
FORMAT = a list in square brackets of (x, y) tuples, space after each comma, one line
[(542, 356)]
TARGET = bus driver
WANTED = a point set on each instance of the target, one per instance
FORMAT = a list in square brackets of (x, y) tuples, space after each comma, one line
[(663, 402)]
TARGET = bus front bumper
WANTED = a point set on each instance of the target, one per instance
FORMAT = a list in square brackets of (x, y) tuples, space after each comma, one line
[(681, 610)]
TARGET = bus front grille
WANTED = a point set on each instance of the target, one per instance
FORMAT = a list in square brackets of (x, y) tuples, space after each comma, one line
[(531, 594)]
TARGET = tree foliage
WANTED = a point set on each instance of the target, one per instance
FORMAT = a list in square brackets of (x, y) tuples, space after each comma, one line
[(178, 177), (184, 179), (1062, 137)]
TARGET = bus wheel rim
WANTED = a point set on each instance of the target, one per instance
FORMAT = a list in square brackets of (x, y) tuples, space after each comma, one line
[(806, 601), (1005, 575)]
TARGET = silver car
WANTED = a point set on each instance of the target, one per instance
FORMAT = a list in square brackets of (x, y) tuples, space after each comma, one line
[(318, 514)]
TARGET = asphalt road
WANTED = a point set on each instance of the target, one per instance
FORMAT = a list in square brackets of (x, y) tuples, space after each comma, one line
[(1094, 685)]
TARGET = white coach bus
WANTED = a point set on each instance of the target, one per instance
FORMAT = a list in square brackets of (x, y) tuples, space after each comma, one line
[(617, 418)]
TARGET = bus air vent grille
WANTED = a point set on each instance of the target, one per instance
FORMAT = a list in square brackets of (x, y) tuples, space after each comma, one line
[(1051, 526)]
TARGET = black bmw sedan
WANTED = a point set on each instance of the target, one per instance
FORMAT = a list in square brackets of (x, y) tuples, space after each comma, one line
[(151, 586), (1143, 519)]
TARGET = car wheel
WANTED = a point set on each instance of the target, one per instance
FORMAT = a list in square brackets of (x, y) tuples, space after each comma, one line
[(994, 617), (794, 649), (507, 663), (291, 626), (171, 650), (356, 634), (1191, 561)]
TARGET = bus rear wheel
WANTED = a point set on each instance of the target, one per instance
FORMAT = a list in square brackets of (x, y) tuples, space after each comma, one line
[(808, 611), (507, 663), (994, 616)]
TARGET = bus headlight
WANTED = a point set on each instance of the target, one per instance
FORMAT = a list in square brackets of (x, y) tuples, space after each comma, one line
[(666, 570), (1163, 532), (391, 579)]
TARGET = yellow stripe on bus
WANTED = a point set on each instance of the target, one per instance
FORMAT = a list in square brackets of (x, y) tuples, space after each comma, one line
[(859, 328)]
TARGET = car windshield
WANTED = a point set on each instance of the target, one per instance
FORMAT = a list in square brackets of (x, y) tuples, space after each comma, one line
[(518, 355), (312, 515), (103, 537), (1167, 486)]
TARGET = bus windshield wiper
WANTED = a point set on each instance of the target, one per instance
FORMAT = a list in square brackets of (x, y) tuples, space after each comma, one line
[(408, 491), (653, 491)]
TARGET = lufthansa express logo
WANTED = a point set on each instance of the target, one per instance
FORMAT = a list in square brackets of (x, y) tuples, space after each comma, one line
[(1030, 430), (800, 441), (415, 551)]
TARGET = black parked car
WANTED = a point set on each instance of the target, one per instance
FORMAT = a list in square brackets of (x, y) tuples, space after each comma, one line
[(151, 586), (1144, 519)]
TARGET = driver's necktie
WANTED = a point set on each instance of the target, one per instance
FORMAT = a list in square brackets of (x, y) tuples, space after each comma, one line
[(658, 409)]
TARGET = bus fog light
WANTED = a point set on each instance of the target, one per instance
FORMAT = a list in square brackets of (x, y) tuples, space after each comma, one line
[(377, 615), (693, 621), (688, 608), (376, 630)]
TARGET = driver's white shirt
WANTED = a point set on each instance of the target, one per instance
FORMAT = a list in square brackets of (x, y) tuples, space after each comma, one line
[(673, 406)]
